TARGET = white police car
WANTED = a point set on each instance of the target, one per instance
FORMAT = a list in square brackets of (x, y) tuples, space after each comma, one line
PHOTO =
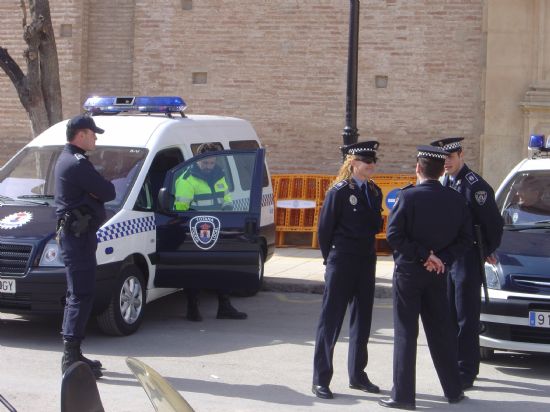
[(146, 248), (517, 316)]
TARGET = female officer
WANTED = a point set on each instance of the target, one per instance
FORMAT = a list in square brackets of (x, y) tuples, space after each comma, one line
[(349, 220)]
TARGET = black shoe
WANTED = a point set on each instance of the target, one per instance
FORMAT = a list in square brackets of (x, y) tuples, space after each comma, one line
[(456, 399), (227, 311), (367, 386), (322, 392), (390, 403), (94, 364)]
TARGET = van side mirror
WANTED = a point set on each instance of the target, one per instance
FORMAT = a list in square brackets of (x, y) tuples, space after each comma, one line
[(165, 200)]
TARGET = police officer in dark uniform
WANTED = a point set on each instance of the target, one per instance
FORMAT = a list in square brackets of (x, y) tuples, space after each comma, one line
[(348, 222), (464, 287), (80, 194), (429, 227)]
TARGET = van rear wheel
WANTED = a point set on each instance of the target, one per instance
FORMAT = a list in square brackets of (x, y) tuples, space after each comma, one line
[(125, 312)]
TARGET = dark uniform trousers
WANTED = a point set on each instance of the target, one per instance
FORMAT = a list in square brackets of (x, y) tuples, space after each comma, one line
[(80, 267), (349, 279), (422, 294), (464, 294)]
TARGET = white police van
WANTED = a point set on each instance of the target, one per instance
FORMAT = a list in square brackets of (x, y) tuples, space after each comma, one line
[(146, 248), (517, 316)]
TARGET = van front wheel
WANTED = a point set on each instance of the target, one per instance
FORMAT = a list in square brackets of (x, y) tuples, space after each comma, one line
[(125, 312)]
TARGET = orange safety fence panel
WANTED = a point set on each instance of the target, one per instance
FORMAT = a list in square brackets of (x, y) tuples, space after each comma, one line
[(298, 200)]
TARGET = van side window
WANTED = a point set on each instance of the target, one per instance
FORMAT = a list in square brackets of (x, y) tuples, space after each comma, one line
[(163, 161), (247, 145)]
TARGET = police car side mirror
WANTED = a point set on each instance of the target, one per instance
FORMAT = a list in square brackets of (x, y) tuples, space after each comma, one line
[(165, 200)]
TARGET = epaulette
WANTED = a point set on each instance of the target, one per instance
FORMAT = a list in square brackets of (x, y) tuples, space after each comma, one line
[(79, 156), (471, 178), (408, 186), (341, 184)]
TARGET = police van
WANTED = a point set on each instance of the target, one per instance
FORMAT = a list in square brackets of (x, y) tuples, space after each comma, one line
[(146, 248), (517, 315)]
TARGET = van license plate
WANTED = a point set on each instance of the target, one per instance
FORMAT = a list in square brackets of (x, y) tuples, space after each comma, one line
[(539, 319), (7, 286)]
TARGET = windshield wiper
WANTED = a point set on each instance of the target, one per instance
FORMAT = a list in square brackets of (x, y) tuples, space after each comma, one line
[(5, 199), (35, 197), (34, 202)]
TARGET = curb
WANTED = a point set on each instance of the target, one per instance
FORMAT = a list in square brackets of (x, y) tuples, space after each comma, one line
[(271, 284)]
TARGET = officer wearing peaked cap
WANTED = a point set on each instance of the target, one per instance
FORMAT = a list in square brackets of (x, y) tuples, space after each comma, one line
[(348, 223), (464, 288), (80, 194), (425, 242)]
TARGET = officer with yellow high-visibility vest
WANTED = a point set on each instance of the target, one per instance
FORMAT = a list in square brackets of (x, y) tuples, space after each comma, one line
[(203, 187)]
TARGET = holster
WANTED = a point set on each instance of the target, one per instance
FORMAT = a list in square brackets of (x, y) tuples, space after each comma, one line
[(76, 221)]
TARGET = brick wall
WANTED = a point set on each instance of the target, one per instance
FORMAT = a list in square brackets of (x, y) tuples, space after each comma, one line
[(282, 65)]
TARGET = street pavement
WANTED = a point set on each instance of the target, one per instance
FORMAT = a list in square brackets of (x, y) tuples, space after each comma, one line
[(302, 270)]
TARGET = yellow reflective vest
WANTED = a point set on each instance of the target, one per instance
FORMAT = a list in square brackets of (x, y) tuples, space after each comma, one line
[(198, 191)]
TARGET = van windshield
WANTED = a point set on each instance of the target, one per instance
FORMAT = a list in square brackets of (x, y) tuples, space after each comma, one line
[(29, 176), (526, 199)]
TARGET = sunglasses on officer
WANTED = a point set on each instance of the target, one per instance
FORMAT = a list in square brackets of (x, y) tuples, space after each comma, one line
[(367, 160)]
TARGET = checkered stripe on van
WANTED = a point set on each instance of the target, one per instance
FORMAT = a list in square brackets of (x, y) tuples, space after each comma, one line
[(243, 203), (267, 200), (126, 228)]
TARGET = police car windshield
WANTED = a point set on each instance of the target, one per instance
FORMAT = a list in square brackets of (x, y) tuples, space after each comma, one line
[(30, 174), (525, 201)]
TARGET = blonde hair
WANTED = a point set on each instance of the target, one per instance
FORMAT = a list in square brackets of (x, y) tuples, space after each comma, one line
[(345, 172)]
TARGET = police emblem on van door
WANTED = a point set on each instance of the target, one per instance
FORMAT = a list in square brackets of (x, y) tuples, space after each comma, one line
[(204, 231)]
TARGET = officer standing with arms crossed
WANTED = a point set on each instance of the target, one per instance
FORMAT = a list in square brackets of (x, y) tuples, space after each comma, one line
[(428, 228), (204, 188), (80, 194), (348, 223), (464, 286)]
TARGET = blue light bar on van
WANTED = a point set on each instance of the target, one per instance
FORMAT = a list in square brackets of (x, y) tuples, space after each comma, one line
[(143, 104), (536, 141)]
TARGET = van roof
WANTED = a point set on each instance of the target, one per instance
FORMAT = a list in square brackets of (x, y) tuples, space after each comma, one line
[(137, 130)]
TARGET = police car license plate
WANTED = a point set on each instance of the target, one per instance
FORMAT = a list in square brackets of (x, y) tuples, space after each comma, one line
[(539, 319), (7, 285)]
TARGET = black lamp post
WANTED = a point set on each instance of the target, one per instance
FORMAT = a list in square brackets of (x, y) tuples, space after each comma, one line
[(351, 134)]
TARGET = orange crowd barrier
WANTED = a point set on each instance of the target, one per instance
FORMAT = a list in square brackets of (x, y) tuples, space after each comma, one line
[(298, 200)]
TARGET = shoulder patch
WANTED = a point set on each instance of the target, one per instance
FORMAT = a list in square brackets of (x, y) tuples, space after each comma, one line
[(471, 178), (79, 156), (341, 184), (481, 197)]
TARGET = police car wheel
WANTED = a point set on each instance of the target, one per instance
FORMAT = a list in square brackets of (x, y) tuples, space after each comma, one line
[(125, 312), (486, 353), (252, 292)]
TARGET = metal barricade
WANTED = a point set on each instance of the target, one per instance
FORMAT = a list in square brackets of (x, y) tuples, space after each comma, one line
[(298, 200)]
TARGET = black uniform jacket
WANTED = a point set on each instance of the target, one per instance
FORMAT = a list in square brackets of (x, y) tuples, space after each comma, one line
[(481, 201), (428, 217), (347, 223), (78, 183)]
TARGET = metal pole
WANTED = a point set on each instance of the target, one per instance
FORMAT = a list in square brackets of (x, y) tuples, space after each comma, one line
[(351, 134)]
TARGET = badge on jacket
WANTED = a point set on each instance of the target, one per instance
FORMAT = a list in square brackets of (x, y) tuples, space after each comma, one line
[(353, 200), (481, 197)]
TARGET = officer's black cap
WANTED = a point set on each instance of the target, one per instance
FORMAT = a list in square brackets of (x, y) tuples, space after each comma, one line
[(362, 149), (431, 152), (82, 121), (449, 144)]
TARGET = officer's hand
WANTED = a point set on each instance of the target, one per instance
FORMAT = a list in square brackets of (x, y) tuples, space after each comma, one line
[(491, 259)]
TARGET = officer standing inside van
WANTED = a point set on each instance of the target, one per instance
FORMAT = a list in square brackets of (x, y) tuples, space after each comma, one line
[(350, 218), (80, 194), (464, 286), (204, 188)]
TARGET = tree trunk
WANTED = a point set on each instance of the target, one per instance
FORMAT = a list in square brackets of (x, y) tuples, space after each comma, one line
[(40, 90)]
